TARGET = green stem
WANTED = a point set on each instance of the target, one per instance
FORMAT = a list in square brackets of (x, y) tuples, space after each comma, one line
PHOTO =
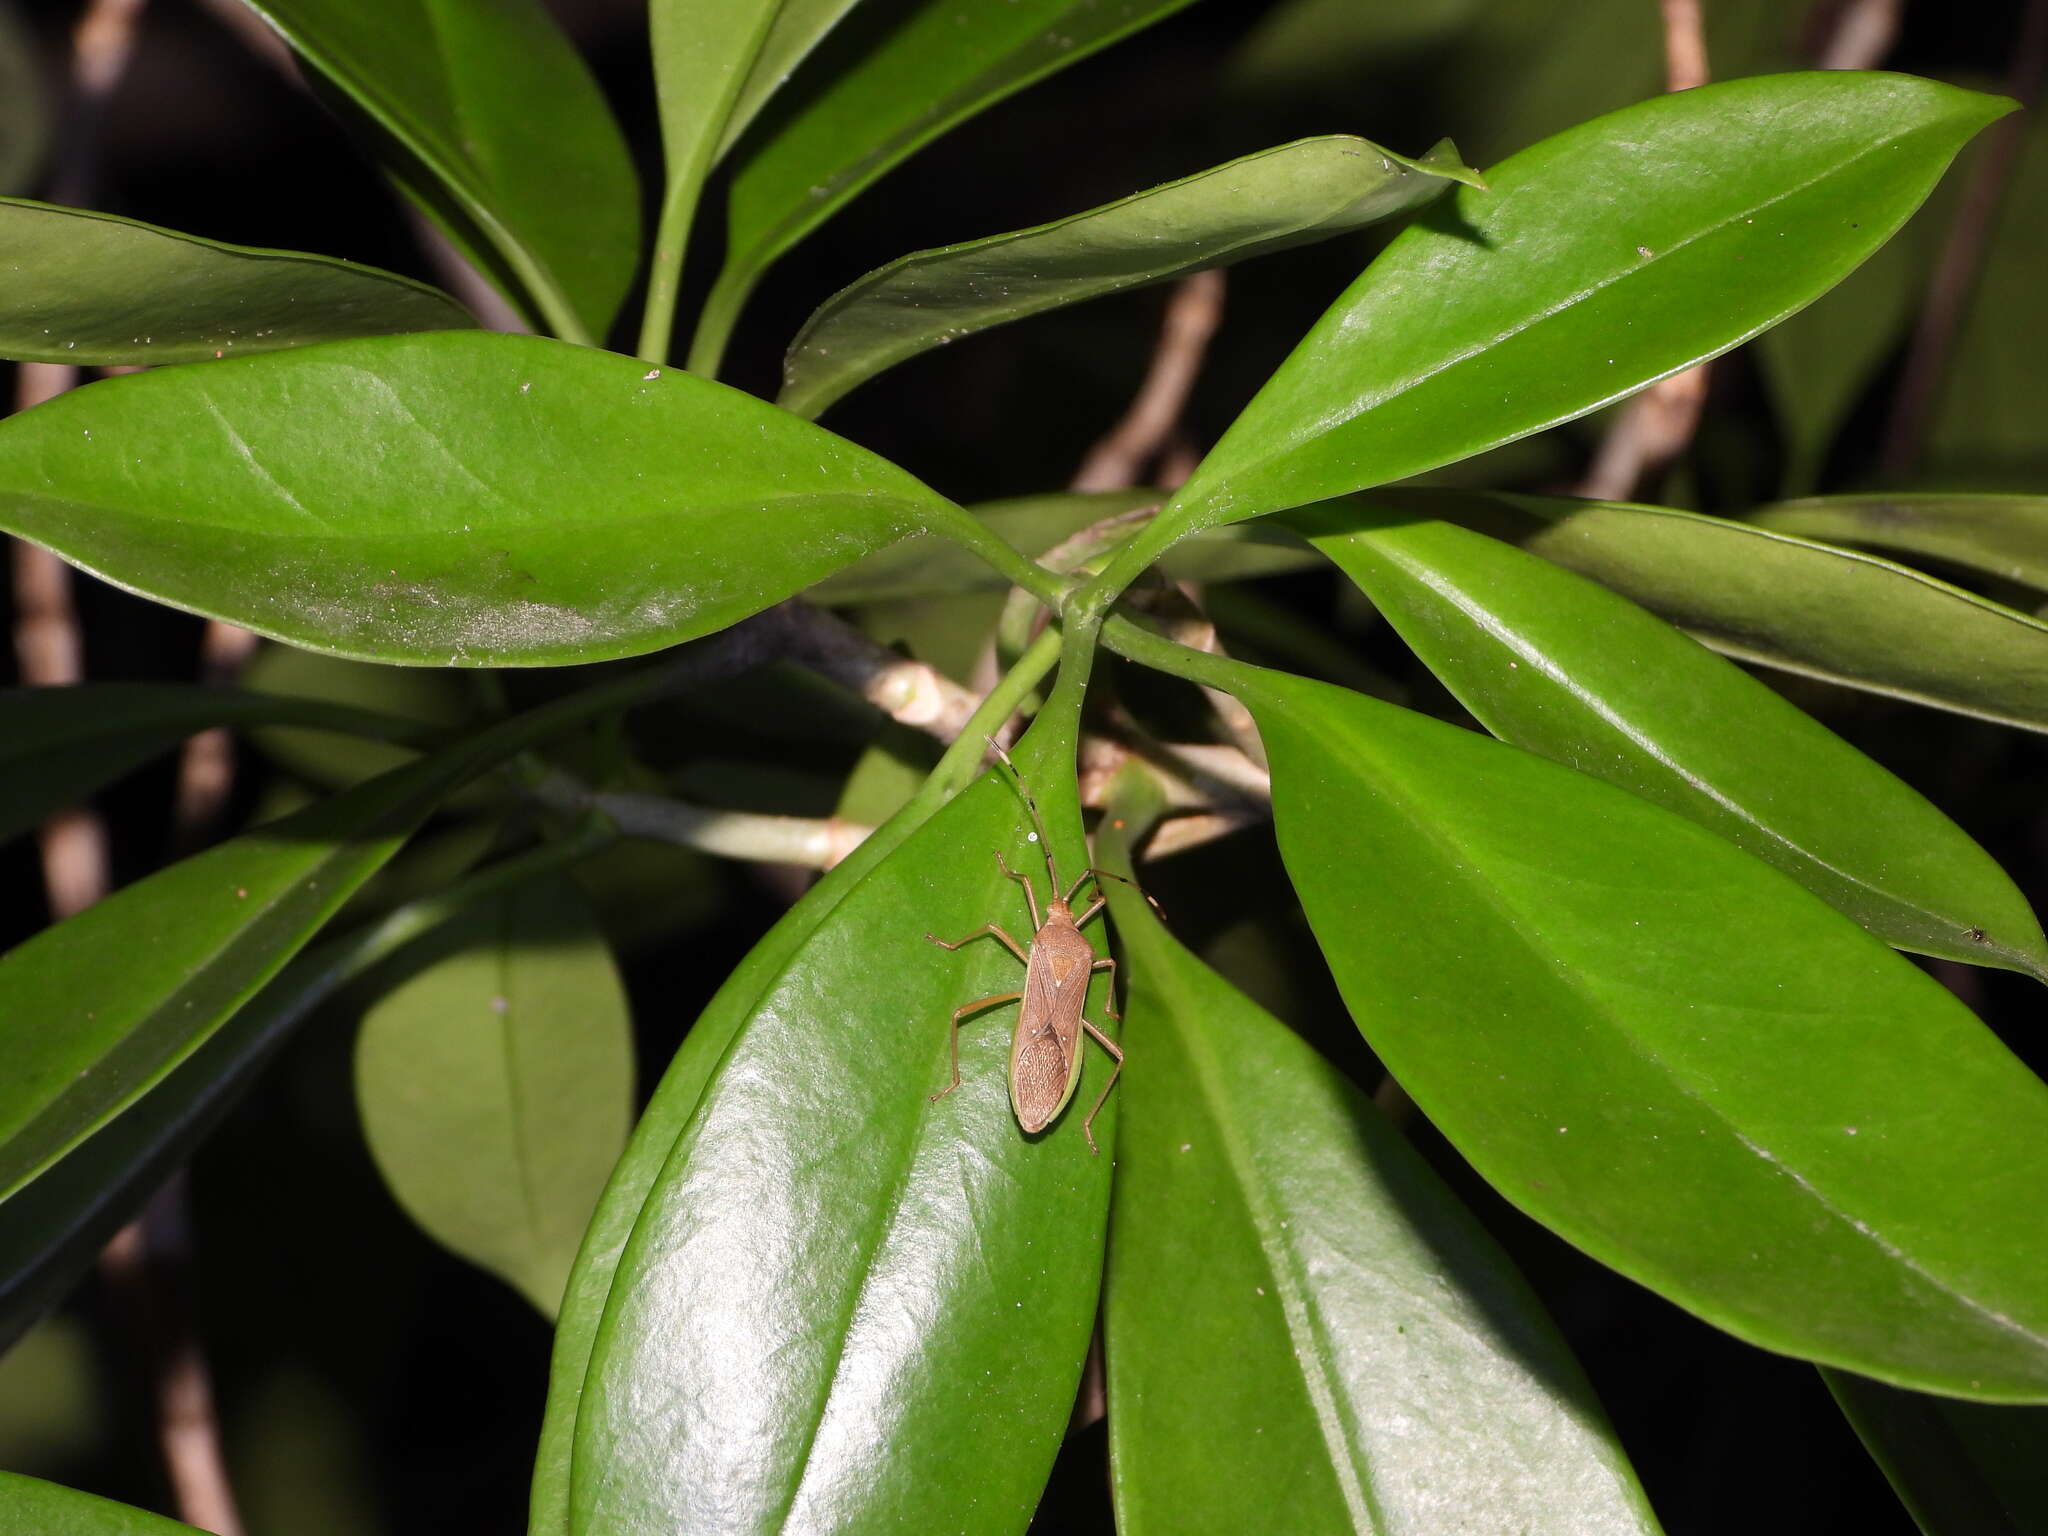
[(665, 266), (715, 322), (962, 760), (1141, 645)]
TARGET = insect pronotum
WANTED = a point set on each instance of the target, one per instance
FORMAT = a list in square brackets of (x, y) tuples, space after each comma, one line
[(1045, 1049)]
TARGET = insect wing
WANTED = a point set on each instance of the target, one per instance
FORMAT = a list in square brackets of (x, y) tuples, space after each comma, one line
[(1045, 1052)]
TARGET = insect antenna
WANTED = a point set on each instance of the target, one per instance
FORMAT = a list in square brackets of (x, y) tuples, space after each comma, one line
[(1037, 821)]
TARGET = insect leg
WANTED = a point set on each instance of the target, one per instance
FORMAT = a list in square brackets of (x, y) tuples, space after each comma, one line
[(1014, 947), (1115, 1054), (1109, 1005), (953, 1034), (1098, 875), (1030, 891)]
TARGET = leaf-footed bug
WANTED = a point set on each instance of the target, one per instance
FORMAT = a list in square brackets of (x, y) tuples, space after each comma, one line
[(1045, 1049)]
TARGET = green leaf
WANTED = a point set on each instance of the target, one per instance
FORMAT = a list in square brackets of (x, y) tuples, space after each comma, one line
[(1292, 195), (31, 1507), (2003, 536), (1304, 1329), (900, 83), (462, 498), (1601, 260), (1789, 603), (1668, 1052), (89, 288), (1560, 665), (55, 1228), (845, 1306), (799, 26), (59, 745), (24, 104), (682, 1086), (490, 102), (97, 1009), (703, 54), (1961, 1469), (496, 1084)]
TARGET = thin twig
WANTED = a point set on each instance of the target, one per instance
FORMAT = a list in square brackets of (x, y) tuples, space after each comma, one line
[(1192, 315), (910, 692), (812, 842), (1962, 256), (1656, 426)]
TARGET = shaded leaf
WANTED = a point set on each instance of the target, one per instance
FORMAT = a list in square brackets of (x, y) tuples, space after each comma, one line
[(496, 1084), (1986, 429), (90, 288), (494, 106), (907, 74), (31, 1507), (1961, 1469), (1558, 664), (97, 1009), (59, 745), (845, 1306), (463, 498), (1666, 1051), (438, 698), (1503, 312), (24, 106), (1291, 195), (1304, 1329), (55, 1227), (2003, 536)]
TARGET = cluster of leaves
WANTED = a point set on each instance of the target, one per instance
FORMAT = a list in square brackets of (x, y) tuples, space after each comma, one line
[(1634, 956)]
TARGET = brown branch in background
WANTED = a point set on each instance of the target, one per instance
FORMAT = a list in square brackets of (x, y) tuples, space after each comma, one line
[(909, 692), (1853, 34), (1192, 315), (1962, 256), (1655, 427), (144, 1268), (206, 768)]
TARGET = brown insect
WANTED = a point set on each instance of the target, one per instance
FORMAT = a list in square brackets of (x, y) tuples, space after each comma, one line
[(1045, 1049)]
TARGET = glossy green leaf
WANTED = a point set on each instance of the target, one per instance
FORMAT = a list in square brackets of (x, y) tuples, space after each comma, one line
[(914, 72), (24, 104), (845, 1306), (89, 288), (1790, 603), (676, 1097), (933, 566), (1668, 1052), (1291, 195), (52, 1231), (463, 498), (1556, 663), (59, 745), (2003, 536), (1961, 1469), (1304, 1329), (97, 1009), (798, 28), (491, 103), (31, 1507), (496, 1084), (1601, 260)]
